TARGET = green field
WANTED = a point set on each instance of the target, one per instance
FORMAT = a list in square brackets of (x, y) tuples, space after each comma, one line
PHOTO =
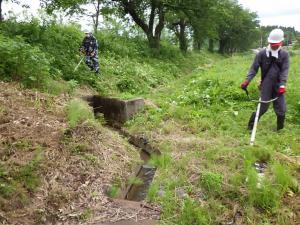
[(199, 123)]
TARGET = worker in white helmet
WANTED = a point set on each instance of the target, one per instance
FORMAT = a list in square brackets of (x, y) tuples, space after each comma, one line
[(274, 64)]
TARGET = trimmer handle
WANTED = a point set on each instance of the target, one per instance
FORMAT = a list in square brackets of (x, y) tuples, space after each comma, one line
[(246, 90)]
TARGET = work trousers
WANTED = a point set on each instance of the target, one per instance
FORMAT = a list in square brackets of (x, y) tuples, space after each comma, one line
[(269, 90), (92, 62)]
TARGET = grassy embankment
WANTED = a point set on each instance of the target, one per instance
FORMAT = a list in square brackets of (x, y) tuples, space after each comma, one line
[(199, 123), (51, 144), (197, 120)]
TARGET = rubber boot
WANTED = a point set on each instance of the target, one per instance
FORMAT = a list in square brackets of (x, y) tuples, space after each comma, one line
[(251, 121), (280, 122)]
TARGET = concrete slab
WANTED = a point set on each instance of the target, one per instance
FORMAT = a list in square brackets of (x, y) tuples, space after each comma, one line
[(115, 110)]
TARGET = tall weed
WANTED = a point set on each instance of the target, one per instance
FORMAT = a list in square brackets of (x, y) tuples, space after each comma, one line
[(78, 111)]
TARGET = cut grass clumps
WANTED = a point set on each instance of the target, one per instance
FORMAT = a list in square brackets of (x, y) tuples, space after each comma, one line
[(265, 197), (266, 190), (78, 111)]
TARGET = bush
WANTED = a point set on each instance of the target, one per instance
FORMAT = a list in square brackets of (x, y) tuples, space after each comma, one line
[(30, 31), (22, 62), (58, 42), (63, 42)]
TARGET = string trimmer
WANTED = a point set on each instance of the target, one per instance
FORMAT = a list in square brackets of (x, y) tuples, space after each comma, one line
[(253, 133)]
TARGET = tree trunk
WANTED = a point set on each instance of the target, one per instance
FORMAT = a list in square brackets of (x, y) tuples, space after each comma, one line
[(182, 37), (154, 42), (222, 46), (97, 14), (211, 45), (179, 28), (1, 18), (197, 45)]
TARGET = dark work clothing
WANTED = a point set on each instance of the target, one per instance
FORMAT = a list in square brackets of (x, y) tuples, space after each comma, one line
[(274, 73), (89, 45), (277, 74), (90, 48), (92, 62)]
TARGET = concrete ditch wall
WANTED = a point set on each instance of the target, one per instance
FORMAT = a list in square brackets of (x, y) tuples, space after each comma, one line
[(115, 111)]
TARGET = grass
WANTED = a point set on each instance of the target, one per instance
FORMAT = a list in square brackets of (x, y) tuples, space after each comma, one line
[(200, 124), (114, 191), (212, 182), (18, 181), (78, 111)]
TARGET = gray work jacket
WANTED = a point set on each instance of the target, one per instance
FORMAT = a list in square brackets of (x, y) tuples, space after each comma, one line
[(270, 66)]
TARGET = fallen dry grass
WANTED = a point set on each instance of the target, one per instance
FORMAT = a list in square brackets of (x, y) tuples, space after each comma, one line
[(76, 168)]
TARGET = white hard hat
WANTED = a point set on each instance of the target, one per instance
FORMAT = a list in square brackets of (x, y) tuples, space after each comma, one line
[(86, 31), (276, 36)]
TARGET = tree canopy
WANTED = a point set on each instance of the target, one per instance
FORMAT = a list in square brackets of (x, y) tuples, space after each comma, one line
[(217, 24)]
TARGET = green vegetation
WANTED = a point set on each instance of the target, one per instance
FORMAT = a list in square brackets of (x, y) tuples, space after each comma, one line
[(16, 181), (78, 111), (212, 182), (22, 62), (114, 191), (217, 164), (197, 113)]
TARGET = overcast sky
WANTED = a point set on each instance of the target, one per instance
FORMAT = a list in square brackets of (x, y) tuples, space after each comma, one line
[(270, 12), (275, 12)]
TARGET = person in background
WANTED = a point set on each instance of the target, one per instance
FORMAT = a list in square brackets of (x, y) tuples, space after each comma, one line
[(89, 47), (274, 64)]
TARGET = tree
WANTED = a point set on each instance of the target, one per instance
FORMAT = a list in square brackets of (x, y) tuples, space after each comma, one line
[(178, 23), (149, 15), (191, 18), (72, 7), (237, 27), (13, 1), (1, 18), (203, 22)]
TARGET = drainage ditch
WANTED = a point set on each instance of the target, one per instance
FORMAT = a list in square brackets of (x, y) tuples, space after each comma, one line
[(116, 112)]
